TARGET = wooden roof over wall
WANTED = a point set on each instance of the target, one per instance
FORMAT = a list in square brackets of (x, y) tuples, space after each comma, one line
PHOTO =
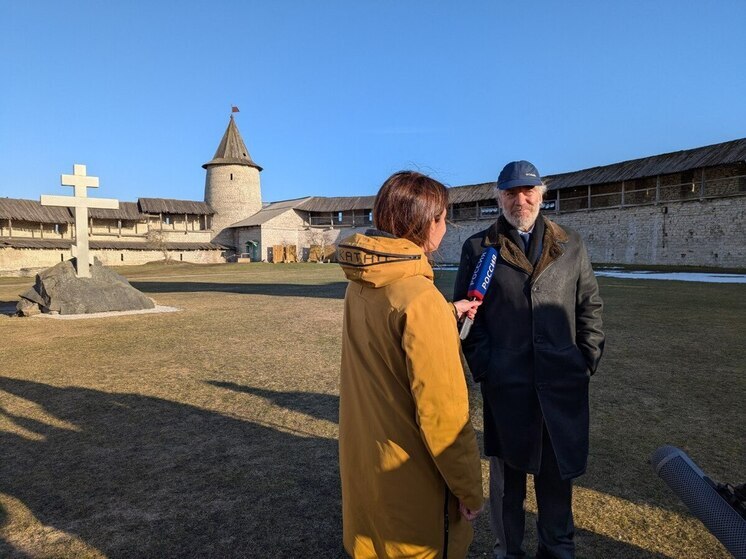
[(471, 193), (170, 206), (139, 245), (128, 211), (32, 210), (664, 164), (16, 242), (63, 244), (667, 163), (337, 204)]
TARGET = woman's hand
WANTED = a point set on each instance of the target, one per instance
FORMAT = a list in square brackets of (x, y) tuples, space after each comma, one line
[(467, 513), (466, 306)]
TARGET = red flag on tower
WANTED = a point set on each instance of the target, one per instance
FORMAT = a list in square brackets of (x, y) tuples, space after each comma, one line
[(234, 109)]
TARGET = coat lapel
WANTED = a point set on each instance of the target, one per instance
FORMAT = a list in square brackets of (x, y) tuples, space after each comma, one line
[(499, 237), (554, 238)]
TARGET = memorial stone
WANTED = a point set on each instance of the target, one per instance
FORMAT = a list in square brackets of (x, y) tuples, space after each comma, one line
[(59, 290)]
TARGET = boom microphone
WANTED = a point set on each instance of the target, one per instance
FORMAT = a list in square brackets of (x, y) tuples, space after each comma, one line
[(480, 281), (704, 498)]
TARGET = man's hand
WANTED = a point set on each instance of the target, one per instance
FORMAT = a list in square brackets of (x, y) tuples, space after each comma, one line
[(467, 513), (466, 306)]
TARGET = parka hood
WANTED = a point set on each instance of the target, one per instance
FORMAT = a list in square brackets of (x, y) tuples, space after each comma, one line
[(377, 259)]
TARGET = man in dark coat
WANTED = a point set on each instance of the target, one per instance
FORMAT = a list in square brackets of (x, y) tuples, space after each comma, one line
[(535, 342)]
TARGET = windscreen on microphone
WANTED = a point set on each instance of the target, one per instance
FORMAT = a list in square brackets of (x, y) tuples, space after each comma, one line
[(482, 276), (702, 497)]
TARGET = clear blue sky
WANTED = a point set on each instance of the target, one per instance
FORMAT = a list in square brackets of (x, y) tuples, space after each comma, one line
[(336, 95)]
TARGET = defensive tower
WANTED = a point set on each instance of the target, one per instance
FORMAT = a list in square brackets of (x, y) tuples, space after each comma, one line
[(232, 186)]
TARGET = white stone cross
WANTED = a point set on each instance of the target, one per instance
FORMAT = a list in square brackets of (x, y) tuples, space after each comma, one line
[(80, 201)]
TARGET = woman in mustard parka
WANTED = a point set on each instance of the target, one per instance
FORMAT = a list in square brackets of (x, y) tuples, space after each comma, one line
[(409, 462)]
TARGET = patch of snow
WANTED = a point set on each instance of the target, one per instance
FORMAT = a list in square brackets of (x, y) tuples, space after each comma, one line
[(615, 272), (157, 309), (673, 276)]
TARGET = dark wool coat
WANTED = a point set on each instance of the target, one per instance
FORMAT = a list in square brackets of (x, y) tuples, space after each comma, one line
[(535, 342)]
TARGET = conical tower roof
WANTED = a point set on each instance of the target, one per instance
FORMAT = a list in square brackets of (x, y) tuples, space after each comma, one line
[(232, 150)]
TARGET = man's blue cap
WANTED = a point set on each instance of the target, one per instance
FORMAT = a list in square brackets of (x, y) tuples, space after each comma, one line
[(518, 173)]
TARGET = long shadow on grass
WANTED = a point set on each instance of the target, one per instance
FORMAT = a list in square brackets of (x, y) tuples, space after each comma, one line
[(136, 476), (326, 406), (334, 290), (320, 406), (589, 545)]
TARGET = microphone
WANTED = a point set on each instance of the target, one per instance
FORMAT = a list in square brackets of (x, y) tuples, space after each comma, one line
[(706, 500), (480, 281)]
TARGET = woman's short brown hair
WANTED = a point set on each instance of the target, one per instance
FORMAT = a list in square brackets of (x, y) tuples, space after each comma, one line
[(407, 203)]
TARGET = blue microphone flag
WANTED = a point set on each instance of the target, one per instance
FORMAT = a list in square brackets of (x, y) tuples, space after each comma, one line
[(480, 281), (482, 276)]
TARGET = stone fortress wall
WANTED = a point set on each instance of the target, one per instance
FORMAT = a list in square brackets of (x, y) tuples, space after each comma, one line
[(178, 230), (684, 219), (45, 250), (681, 215), (20, 261), (707, 232), (691, 233), (695, 233)]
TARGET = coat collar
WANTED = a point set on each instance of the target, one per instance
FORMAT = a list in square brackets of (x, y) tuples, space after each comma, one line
[(377, 259), (499, 236)]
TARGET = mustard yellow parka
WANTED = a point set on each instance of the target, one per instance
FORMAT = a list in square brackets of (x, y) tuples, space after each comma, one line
[(407, 449)]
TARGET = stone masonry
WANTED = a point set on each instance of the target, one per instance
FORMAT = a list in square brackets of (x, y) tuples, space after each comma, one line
[(692, 233), (15, 261), (234, 192)]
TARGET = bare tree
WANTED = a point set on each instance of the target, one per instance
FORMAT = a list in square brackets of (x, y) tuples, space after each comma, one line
[(158, 240), (321, 238)]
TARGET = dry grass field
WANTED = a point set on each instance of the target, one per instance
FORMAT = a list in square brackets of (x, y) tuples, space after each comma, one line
[(211, 432)]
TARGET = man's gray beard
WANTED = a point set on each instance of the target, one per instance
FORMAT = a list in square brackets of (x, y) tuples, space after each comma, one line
[(522, 223)]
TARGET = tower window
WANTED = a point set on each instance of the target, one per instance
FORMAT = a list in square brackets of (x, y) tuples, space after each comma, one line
[(231, 176)]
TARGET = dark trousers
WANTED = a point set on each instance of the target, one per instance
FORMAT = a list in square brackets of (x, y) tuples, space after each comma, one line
[(554, 524)]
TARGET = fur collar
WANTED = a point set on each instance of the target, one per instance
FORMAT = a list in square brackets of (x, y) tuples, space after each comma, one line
[(554, 237)]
